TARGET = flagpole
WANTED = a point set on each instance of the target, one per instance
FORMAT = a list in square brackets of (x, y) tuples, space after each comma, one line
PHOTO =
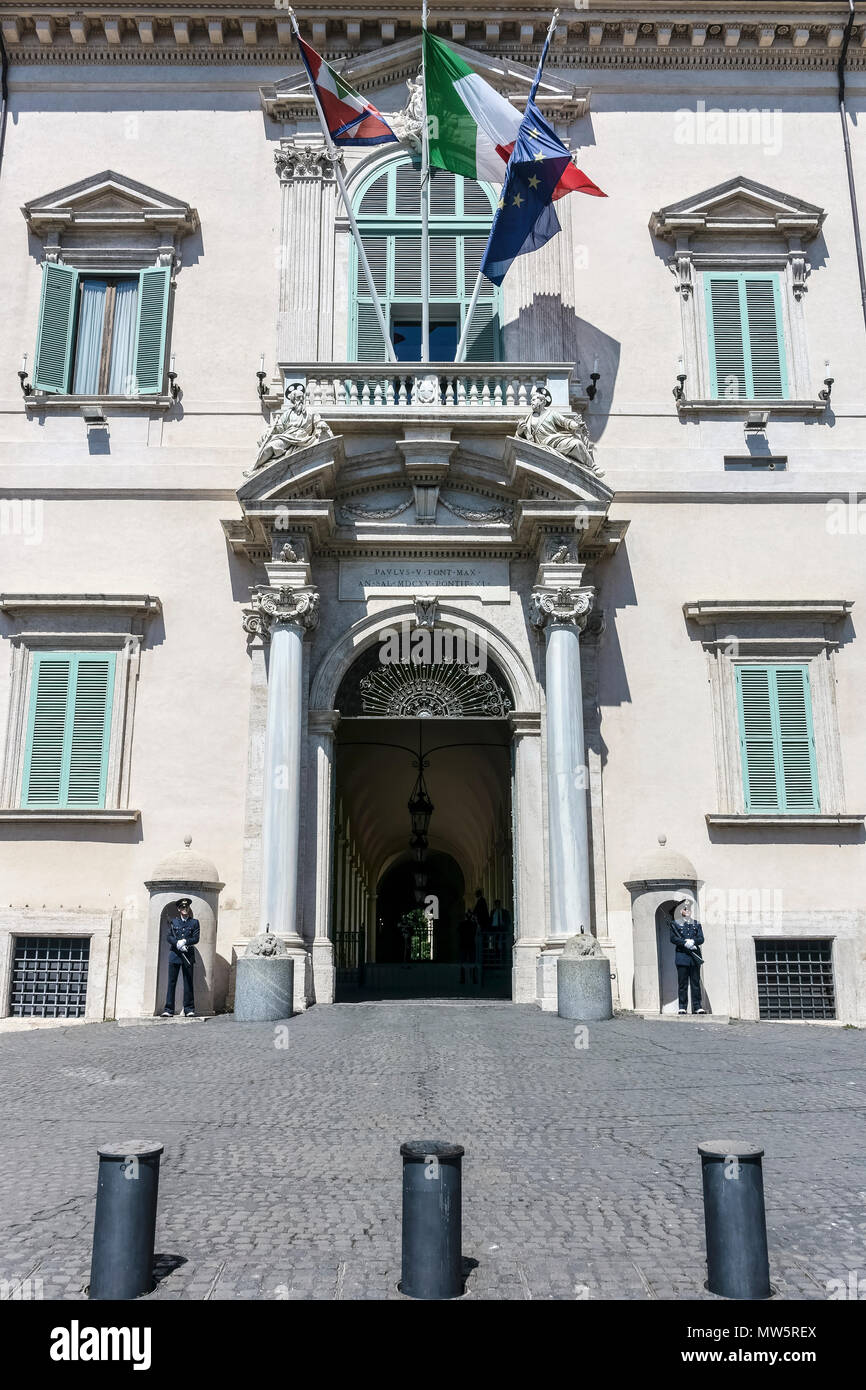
[(460, 354), (425, 205), (347, 204)]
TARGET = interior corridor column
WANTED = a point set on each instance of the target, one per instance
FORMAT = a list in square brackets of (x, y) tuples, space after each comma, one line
[(528, 837), (322, 725)]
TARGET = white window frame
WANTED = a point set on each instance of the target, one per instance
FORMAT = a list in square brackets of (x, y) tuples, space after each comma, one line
[(775, 632), (74, 623)]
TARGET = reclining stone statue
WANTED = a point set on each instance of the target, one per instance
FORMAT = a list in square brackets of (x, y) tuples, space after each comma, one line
[(558, 430), (294, 428)]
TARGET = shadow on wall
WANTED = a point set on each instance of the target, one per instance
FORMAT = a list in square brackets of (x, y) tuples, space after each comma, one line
[(615, 591), (546, 330)]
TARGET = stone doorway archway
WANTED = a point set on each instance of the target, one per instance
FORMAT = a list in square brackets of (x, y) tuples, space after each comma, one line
[(467, 771)]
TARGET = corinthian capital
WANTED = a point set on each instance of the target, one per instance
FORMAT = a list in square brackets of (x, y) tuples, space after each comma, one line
[(296, 161), (272, 607), (560, 608)]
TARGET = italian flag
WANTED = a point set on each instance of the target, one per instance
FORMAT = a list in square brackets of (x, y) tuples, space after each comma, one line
[(350, 119), (472, 127)]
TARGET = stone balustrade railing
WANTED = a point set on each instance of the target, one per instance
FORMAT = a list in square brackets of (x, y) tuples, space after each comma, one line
[(473, 388)]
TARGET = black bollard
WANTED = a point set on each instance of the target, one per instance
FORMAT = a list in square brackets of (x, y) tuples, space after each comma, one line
[(736, 1224), (432, 1219), (125, 1224)]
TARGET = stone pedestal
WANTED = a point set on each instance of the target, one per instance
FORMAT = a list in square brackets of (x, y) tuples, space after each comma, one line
[(583, 988), (264, 986)]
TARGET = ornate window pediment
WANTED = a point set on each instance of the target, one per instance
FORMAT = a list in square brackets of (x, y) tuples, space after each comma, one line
[(391, 65), (738, 207), (740, 268), (108, 220)]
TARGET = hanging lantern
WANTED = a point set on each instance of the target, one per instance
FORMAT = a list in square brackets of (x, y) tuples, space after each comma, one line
[(420, 807)]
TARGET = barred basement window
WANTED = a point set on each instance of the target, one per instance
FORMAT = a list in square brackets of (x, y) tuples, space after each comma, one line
[(795, 979), (49, 976)]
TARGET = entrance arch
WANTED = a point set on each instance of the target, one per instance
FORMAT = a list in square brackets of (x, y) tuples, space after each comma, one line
[(488, 791), (521, 682)]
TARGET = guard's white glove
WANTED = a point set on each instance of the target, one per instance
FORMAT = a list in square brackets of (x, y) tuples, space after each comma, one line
[(690, 942), (182, 944)]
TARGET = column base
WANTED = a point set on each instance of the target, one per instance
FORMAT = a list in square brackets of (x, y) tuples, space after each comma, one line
[(324, 974), (523, 971), (545, 976)]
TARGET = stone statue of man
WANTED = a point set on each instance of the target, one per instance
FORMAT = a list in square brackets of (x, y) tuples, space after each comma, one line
[(409, 123), (558, 430), (294, 428)]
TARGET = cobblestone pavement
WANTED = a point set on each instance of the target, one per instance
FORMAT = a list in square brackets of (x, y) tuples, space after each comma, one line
[(281, 1175)]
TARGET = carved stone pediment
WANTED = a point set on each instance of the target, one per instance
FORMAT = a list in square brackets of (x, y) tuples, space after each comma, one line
[(105, 198), (739, 206), (109, 220), (392, 65)]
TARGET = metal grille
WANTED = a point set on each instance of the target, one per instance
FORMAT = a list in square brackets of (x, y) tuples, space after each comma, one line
[(795, 979), (49, 976)]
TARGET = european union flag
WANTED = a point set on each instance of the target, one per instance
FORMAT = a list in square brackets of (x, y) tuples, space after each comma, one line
[(526, 219)]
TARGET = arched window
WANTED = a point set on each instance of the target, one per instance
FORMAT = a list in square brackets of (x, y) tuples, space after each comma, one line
[(387, 207)]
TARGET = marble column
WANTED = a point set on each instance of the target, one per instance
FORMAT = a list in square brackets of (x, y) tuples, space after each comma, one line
[(308, 208), (283, 616), (322, 729), (562, 615)]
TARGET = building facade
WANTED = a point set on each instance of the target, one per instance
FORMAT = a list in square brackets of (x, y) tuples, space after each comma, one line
[(599, 586)]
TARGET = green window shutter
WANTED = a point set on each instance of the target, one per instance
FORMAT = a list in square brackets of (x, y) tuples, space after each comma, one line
[(776, 739), (375, 201), (764, 317), (443, 267), (442, 193), (727, 349), (91, 726), (483, 345), (407, 266), (746, 342), (66, 757), (369, 335), (796, 739), (56, 333), (44, 754), (391, 234), (408, 191), (376, 249), (149, 356)]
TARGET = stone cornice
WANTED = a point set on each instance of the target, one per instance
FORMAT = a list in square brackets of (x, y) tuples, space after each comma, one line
[(633, 34)]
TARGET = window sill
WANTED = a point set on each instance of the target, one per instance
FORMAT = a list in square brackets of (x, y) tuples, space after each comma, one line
[(62, 815), (44, 401), (779, 819), (744, 407)]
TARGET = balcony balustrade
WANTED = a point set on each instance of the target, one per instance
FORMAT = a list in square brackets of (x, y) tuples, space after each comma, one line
[(479, 391)]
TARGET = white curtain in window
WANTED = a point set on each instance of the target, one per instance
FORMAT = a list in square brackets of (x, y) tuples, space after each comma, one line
[(88, 346), (121, 379)]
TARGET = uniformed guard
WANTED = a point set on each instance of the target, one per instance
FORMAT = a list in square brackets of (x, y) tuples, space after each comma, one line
[(183, 933), (687, 936)]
